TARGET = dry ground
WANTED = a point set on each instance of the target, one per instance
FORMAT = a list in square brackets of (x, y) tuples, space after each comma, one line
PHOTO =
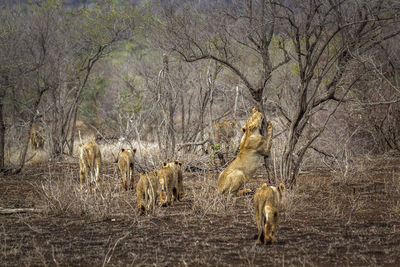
[(328, 219)]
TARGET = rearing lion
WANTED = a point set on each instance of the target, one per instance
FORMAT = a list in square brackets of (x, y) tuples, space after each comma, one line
[(253, 147), (89, 163)]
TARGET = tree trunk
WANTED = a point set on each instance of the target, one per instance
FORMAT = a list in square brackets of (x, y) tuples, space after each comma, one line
[(171, 128), (71, 149), (270, 178), (26, 143), (183, 119), (2, 129)]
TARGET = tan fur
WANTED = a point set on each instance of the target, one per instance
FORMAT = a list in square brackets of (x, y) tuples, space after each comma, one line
[(148, 191), (266, 203), (36, 137), (177, 166), (224, 131), (126, 166), (89, 163), (169, 183), (253, 147)]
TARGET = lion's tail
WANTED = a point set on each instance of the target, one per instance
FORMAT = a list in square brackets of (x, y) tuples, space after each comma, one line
[(262, 219)]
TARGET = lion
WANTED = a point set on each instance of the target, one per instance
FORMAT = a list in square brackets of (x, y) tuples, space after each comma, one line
[(224, 131), (253, 148), (36, 137), (177, 167), (148, 190), (126, 166), (168, 177), (89, 163), (266, 202), (181, 190)]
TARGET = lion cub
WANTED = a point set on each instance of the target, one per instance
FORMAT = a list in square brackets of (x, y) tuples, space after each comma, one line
[(36, 137), (89, 163), (148, 191), (179, 175), (253, 148), (168, 177), (266, 201), (126, 165)]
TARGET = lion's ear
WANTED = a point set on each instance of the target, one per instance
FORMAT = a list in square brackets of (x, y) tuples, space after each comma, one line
[(255, 109), (264, 186), (122, 149), (80, 144)]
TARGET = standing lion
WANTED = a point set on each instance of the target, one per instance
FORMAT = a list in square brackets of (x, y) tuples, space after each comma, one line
[(148, 191), (36, 137), (126, 166), (253, 148), (168, 177), (89, 163), (178, 170), (266, 202)]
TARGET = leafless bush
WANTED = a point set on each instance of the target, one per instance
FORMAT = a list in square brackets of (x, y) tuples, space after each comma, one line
[(290, 204), (63, 196), (206, 201)]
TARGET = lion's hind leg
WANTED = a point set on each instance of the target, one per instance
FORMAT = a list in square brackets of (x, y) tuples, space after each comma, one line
[(97, 168), (234, 183), (82, 174), (260, 220)]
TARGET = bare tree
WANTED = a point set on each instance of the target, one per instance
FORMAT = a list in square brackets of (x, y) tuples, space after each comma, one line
[(24, 72), (327, 37), (236, 36), (322, 39), (42, 74), (98, 30)]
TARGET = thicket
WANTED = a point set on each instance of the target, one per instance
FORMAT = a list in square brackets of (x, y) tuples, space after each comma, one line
[(162, 72)]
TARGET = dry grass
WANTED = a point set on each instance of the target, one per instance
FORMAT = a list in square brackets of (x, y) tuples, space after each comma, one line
[(61, 195), (326, 215)]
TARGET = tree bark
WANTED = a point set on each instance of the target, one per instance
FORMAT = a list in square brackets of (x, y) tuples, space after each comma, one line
[(26, 143), (2, 129), (3, 88)]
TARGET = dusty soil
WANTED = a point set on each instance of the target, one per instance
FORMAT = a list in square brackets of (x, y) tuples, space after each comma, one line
[(326, 220)]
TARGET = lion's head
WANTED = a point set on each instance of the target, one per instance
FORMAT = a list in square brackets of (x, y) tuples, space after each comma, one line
[(254, 122)]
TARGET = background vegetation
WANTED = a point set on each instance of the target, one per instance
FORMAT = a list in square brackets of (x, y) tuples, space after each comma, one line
[(162, 72), (176, 79)]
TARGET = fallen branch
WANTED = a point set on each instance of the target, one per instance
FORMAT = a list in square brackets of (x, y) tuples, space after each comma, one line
[(18, 210), (200, 143)]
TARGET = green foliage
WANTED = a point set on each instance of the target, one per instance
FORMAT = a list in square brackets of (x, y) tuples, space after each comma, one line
[(88, 109), (215, 147), (99, 26), (130, 102)]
